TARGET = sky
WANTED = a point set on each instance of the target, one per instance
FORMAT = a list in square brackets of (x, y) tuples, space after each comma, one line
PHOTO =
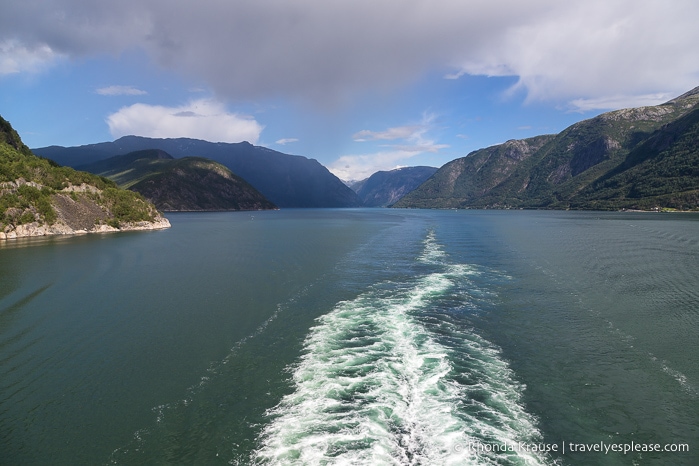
[(359, 85)]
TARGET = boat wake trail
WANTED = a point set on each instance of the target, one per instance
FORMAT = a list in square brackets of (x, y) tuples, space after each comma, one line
[(395, 377)]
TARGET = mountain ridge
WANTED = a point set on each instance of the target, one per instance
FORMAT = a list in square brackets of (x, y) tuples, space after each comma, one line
[(560, 171), (286, 180)]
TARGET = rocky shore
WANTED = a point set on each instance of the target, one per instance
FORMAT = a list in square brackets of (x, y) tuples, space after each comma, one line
[(61, 228)]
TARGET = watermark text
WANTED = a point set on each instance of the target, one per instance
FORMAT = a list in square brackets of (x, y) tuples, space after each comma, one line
[(564, 447)]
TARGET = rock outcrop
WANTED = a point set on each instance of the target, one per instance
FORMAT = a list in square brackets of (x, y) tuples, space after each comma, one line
[(77, 212)]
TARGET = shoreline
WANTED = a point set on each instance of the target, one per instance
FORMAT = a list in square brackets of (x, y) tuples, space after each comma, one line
[(34, 230)]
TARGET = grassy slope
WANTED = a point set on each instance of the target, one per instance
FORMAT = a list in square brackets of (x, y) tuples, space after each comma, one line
[(29, 186)]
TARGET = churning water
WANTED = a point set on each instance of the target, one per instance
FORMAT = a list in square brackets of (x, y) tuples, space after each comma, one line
[(391, 377)]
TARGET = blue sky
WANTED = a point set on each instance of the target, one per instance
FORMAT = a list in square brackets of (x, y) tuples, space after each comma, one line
[(360, 86)]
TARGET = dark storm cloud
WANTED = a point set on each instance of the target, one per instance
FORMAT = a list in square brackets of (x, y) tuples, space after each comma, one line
[(327, 51)]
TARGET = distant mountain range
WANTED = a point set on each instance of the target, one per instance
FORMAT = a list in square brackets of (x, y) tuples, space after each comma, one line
[(186, 184), (286, 180), (384, 188), (641, 158)]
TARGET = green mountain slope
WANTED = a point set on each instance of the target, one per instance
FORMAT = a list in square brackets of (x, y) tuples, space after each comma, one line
[(581, 167), (187, 184), (663, 171), (39, 197), (464, 181), (127, 168)]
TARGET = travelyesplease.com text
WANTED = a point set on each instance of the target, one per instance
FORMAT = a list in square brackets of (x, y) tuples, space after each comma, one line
[(565, 447)]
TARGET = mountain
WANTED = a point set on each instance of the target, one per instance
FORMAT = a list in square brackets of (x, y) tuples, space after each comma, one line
[(186, 184), (470, 178), (662, 171), (638, 158), (286, 180), (38, 197), (384, 188)]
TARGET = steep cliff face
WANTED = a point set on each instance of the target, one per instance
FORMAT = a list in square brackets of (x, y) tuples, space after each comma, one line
[(38, 197), (577, 167)]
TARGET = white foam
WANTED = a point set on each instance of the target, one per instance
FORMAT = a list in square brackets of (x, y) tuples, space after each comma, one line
[(374, 386), (432, 252)]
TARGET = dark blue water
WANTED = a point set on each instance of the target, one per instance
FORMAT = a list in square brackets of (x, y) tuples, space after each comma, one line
[(355, 337)]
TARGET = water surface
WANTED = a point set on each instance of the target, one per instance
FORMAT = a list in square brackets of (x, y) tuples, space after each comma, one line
[(353, 337)]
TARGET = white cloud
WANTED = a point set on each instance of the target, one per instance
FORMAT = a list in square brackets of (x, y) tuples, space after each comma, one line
[(597, 54), (414, 136), (421, 148), (619, 101), (285, 141), (120, 90), (359, 167), (199, 119), (411, 140), (399, 132), (18, 58)]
